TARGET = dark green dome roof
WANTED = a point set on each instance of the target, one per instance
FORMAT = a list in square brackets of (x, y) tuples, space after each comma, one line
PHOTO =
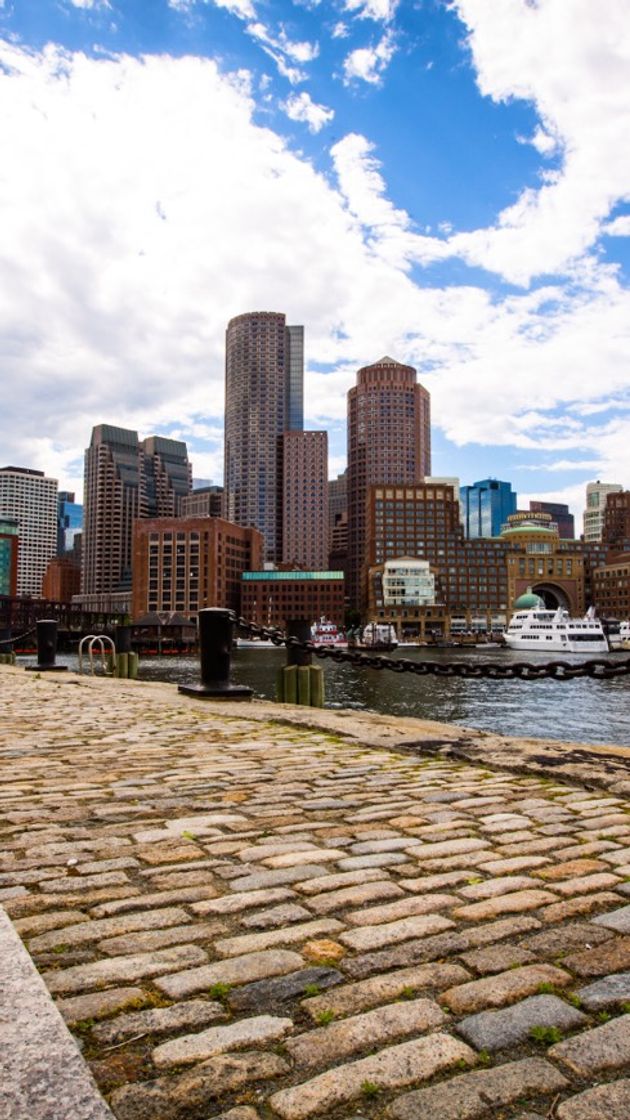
[(529, 601)]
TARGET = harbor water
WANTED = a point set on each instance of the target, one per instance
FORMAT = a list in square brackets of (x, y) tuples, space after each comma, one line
[(578, 711)]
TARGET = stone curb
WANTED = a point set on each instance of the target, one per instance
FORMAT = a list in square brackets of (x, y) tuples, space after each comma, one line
[(42, 1073)]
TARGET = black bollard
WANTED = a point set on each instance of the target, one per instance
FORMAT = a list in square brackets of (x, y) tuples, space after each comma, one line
[(299, 628), (122, 639), (215, 644), (7, 656), (46, 648)]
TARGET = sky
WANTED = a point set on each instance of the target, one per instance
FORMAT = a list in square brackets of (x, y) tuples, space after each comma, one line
[(443, 181)]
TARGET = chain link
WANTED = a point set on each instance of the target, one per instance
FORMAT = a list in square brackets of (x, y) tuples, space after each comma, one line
[(513, 670), (20, 637)]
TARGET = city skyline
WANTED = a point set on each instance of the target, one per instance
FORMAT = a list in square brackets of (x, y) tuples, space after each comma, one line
[(427, 181)]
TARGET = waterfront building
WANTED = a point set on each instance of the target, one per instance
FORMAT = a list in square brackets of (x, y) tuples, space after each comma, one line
[(616, 528), (125, 479), (554, 570), (338, 522), (69, 521), (264, 379), (446, 480), (611, 588), (185, 564), (389, 444), (274, 598), (8, 556), (62, 579), (593, 517), (204, 501), (485, 507), (305, 500), (28, 497), (559, 514)]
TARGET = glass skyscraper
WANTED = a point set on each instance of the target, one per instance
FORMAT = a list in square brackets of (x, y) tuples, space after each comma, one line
[(485, 507)]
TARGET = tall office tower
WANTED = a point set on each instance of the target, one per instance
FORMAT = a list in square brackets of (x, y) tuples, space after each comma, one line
[(596, 495), (264, 375), (30, 498), (485, 507), (168, 475), (69, 521), (305, 499), (125, 480), (389, 442), (560, 514)]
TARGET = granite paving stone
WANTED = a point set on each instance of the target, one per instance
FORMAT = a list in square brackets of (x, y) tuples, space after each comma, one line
[(265, 994), (497, 1030), (613, 956), (366, 1031), (608, 992), (232, 970), (391, 1068), (511, 903), (85, 976), (611, 1101), (618, 920), (574, 907), (159, 1020), (100, 928), (364, 994), (96, 1005), (471, 1096), (203, 1045), (375, 936), (503, 988), (255, 942), (596, 1051)]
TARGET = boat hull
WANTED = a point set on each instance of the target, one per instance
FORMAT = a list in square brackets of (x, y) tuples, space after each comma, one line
[(556, 645)]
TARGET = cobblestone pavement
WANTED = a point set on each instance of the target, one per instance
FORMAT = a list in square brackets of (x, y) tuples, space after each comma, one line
[(251, 920)]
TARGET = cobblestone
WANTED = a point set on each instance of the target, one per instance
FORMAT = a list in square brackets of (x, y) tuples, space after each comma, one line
[(611, 1101), (367, 886)]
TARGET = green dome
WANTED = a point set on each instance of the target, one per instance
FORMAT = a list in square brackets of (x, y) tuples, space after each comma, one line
[(529, 602)]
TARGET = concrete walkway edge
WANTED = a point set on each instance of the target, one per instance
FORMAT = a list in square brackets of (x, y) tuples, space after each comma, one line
[(42, 1073)]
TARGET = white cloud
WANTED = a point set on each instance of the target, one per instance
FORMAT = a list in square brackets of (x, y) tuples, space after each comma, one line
[(340, 30), (381, 10), (300, 107), (619, 227), (368, 64), (244, 9), (142, 208), (90, 5), (280, 48), (574, 69)]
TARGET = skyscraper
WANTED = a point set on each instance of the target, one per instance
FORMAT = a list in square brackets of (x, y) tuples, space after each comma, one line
[(389, 442), (126, 479), (264, 376), (30, 498), (485, 507), (305, 499), (596, 495)]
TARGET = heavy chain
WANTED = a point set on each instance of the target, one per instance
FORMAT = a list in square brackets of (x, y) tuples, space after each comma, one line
[(20, 637), (468, 670)]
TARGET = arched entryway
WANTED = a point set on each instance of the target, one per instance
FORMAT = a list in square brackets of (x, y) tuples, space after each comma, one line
[(552, 596)]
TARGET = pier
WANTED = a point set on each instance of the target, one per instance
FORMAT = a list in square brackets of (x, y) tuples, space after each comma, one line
[(261, 912)]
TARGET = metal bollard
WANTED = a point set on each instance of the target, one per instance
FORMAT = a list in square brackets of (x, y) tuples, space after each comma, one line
[(46, 648), (215, 644), (7, 656)]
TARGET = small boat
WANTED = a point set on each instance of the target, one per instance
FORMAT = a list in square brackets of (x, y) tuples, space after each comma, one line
[(548, 631), (380, 636), (325, 633)]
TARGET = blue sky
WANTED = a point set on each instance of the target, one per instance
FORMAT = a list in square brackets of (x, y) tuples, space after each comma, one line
[(445, 182)]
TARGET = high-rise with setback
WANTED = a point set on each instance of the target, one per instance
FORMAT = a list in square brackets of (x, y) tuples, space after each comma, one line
[(126, 479), (264, 379), (389, 443)]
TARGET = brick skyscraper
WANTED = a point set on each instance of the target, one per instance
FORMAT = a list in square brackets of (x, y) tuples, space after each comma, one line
[(389, 442), (264, 378)]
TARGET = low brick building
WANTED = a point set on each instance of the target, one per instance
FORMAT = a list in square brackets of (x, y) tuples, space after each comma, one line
[(185, 564), (273, 598)]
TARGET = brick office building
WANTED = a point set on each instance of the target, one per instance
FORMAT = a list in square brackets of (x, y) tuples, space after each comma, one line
[(185, 564), (274, 598)]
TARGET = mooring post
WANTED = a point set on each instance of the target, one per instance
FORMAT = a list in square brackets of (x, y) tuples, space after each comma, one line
[(124, 657), (300, 682), (46, 648), (215, 645)]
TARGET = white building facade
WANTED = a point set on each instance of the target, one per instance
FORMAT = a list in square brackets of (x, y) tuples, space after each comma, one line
[(31, 499), (596, 495), (408, 582)]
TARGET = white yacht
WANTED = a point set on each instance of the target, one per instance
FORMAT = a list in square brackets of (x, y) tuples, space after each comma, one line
[(538, 630), (619, 637)]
